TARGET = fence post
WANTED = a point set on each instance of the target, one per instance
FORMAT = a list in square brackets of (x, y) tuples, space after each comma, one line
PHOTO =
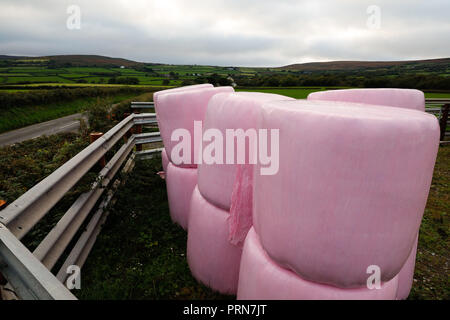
[(92, 137), (443, 121), (137, 130), (128, 133)]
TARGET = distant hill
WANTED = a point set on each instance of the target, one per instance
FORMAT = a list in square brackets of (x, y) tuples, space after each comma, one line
[(358, 65), (103, 61), (79, 60), (92, 60), (5, 57)]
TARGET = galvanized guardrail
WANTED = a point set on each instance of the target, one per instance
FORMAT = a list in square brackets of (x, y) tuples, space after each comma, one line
[(29, 273), (441, 113), (142, 105)]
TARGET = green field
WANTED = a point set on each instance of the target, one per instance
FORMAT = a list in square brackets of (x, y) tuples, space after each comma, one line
[(150, 75), (99, 70), (296, 93), (302, 93)]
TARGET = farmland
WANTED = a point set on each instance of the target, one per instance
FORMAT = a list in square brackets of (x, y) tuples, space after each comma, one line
[(28, 76), (104, 71), (147, 75)]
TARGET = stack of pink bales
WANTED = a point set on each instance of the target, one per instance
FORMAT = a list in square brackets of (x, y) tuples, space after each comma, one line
[(178, 109), (348, 194)]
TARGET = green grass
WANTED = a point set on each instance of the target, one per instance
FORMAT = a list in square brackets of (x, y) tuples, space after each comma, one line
[(23, 116), (302, 93), (431, 277), (140, 253), (297, 93), (437, 95)]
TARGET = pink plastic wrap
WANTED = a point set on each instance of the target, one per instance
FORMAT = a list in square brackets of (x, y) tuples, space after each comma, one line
[(165, 159), (212, 259), (229, 111), (261, 278), (180, 183), (406, 275), (400, 98), (240, 219), (157, 94), (351, 188), (179, 110)]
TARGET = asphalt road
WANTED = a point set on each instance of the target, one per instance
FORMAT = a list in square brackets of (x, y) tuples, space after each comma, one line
[(65, 124)]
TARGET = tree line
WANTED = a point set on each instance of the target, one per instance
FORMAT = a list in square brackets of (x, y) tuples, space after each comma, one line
[(43, 97), (418, 81)]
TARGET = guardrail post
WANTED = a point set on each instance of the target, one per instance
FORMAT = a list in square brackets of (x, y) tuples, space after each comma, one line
[(128, 134), (443, 120), (92, 137), (137, 130)]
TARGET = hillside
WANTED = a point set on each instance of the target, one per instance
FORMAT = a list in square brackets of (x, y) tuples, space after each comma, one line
[(92, 60), (75, 60), (358, 65)]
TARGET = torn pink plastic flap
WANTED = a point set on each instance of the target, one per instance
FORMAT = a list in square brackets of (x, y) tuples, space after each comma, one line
[(240, 219)]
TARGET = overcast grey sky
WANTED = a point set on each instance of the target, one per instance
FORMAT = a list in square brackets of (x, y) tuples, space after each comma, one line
[(231, 32)]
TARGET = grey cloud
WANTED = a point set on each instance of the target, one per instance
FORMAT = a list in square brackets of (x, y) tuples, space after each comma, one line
[(232, 32)]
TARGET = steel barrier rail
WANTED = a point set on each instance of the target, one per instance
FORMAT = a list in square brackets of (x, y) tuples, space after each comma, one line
[(29, 278), (148, 154), (144, 138), (27, 275), (54, 244), (145, 118), (438, 101), (21, 215), (142, 105), (85, 243), (440, 107)]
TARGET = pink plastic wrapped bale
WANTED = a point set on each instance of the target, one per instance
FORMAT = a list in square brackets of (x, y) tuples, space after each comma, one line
[(400, 98), (351, 188), (180, 182), (157, 94), (229, 111), (262, 279), (178, 111), (212, 259), (165, 159), (228, 185), (406, 275)]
